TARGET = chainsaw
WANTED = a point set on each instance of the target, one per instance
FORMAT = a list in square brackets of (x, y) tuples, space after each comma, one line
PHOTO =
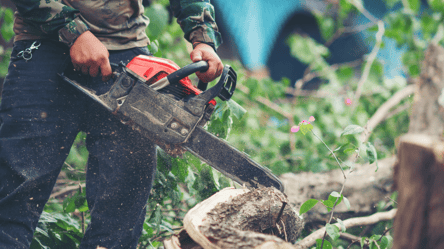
[(156, 97)]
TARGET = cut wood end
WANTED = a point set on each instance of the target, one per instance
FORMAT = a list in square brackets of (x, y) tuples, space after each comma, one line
[(238, 218), (426, 141)]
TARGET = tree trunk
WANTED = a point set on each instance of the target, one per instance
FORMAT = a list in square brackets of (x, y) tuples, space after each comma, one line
[(419, 172)]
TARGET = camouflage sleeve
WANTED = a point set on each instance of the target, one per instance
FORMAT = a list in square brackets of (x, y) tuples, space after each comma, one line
[(51, 16), (197, 20)]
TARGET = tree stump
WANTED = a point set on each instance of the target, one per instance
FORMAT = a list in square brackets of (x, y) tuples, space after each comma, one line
[(419, 178), (419, 172), (240, 218)]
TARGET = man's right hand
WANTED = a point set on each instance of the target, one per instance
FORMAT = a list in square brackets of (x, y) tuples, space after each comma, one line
[(90, 56)]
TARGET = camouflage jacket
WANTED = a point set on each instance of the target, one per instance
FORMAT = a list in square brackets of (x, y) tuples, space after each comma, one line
[(117, 24)]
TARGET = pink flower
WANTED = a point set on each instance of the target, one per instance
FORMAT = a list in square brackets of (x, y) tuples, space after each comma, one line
[(311, 119), (348, 101), (295, 129)]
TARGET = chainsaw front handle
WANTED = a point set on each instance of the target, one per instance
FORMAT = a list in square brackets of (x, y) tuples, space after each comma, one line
[(200, 66), (224, 89)]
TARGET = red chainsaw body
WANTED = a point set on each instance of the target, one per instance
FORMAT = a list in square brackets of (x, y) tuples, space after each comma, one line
[(153, 69)]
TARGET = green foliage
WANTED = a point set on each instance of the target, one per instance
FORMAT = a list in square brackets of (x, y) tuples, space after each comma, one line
[(325, 245), (8, 21), (77, 201), (57, 230), (6, 31)]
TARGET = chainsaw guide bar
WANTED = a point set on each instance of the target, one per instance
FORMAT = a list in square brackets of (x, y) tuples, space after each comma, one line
[(155, 97)]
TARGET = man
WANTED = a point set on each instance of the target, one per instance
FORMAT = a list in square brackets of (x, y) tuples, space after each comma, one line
[(40, 116)]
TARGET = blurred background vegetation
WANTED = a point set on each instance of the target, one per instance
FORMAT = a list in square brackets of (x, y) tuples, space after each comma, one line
[(319, 83)]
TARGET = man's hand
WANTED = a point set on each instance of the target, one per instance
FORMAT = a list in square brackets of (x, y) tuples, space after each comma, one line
[(90, 56), (206, 53)]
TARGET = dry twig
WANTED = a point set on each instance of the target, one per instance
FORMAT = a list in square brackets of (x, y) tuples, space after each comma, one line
[(310, 240), (368, 65), (66, 190), (384, 109)]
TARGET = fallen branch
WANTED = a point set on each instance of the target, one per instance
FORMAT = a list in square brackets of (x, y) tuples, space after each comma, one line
[(368, 65), (384, 110), (66, 190), (310, 240)]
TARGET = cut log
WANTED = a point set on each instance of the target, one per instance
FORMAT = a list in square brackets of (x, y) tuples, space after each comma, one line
[(240, 218), (365, 187)]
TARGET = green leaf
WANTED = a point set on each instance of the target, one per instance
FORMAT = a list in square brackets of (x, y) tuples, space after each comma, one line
[(69, 204), (334, 196), (326, 25), (384, 243), (309, 204), (304, 128), (332, 231), (352, 129), (341, 223), (346, 202), (327, 244), (372, 155), (158, 218), (237, 110), (328, 203), (363, 239), (412, 4)]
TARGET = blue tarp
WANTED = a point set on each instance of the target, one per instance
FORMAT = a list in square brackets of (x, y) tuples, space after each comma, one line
[(254, 26)]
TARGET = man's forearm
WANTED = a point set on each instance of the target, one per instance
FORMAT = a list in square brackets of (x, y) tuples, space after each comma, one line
[(52, 17), (197, 20)]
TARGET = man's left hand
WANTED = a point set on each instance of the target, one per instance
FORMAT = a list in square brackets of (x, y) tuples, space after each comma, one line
[(206, 53)]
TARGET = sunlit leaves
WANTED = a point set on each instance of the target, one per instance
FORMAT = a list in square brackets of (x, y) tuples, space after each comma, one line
[(309, 204), (352, 129), (6, 29), (332, 231), (306, 49), (372, 155), (326, 245)]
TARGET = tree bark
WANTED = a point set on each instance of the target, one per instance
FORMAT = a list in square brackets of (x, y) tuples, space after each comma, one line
[(419, 178), (427, 114)]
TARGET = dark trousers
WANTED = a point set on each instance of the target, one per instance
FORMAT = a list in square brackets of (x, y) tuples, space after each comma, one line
[(40, 118)]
